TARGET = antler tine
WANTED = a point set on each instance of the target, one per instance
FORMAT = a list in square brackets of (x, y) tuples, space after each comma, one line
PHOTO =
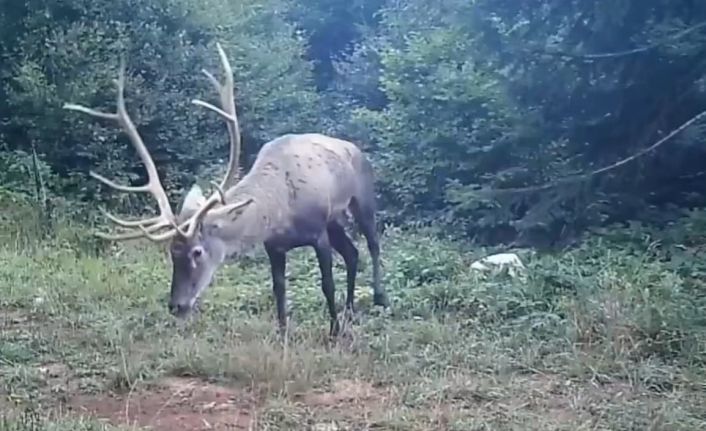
[(153, 185), (129, 223), (219, 189), (228, 112), (117, 186), (140, 232), (148, 227), (166, 217), (120, 236), (160, 237), (196, 218)]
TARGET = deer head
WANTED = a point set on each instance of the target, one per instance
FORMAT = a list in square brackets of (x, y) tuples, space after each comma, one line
[(196, 252)]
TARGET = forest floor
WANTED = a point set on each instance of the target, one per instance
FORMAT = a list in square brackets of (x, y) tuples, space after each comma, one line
[(597, 338)]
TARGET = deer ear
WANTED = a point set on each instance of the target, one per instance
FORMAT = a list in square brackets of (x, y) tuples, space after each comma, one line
[(237, 208), (192, 202)]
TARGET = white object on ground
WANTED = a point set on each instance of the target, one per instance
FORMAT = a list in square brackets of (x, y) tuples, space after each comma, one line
[(500, 260)]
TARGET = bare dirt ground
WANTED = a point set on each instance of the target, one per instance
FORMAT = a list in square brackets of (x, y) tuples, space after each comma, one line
[(174, 404), (191, 404)]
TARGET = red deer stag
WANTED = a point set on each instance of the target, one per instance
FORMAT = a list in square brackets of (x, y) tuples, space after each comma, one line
[(296, 194)]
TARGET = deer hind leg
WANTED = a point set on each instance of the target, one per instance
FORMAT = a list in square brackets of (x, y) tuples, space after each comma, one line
[(342, 243), (363, 211), (324, 255)]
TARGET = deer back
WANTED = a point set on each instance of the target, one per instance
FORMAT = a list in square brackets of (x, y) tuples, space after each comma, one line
[(309, 172)]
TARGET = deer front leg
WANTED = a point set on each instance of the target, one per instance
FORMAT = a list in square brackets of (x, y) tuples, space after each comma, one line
[(278, 263), (325, 258)]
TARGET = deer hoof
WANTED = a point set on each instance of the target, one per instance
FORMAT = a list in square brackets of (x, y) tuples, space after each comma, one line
[(334, 329), (380, 298)]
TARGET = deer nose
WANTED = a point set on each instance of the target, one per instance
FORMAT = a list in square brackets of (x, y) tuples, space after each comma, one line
[(177, 309)]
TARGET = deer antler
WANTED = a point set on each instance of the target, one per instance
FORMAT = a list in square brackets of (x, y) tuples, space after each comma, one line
[(150, 226), (225, 92), (227, 111), (153, 186)]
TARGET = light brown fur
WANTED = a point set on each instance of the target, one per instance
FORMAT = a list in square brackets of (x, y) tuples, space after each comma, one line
[(304, 175)]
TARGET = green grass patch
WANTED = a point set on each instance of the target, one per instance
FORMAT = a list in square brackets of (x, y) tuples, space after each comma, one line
[(608, 335)]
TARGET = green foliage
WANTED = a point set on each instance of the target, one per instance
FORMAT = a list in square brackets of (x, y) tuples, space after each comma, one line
[(447, 126), (454, 100), (332, 28), (460, 99), (614, 312), (18, 173), (70, 53), (631, 285)]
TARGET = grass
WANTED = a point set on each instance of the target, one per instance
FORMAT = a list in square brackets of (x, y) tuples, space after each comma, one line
[(610, 335)]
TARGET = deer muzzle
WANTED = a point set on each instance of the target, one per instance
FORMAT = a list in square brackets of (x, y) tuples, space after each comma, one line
[(179, 310)]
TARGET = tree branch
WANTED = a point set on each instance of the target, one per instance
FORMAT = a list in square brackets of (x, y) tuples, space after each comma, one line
[(581, 177), (606, 55)]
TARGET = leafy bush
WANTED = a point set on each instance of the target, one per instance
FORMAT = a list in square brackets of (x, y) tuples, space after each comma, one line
[(446, 124), (70, 53), (459, 99)]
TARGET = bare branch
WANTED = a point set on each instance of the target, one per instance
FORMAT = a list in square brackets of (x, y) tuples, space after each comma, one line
[(581, 177), (627, 52)]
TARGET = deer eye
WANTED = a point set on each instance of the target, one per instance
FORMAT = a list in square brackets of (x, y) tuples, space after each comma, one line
[(196, 253)]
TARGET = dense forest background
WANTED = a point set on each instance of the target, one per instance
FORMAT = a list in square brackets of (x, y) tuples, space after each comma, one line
[(487, 117)]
